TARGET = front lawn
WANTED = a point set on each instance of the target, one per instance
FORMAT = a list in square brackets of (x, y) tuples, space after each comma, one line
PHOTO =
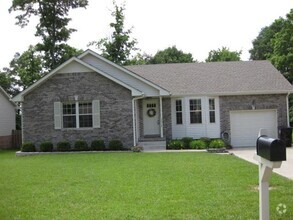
[(135, 186)]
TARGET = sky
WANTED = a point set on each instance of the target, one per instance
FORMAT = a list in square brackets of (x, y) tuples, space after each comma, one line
[(194, 26)]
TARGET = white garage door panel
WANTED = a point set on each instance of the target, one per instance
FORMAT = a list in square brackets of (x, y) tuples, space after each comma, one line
[(245, 126)]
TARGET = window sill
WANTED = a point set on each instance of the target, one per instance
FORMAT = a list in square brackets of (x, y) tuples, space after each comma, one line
[(77, 129)]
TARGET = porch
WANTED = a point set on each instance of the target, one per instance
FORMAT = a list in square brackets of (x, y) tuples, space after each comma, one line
[(152, 143), (152, 122)]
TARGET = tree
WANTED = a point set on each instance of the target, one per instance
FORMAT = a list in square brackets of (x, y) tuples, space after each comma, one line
[(119, 46), (5, 82), (171, 55), (262, 45), (282, 57), (139, 59), (52, 26), (223, 54), (25, 68), (275, 43)]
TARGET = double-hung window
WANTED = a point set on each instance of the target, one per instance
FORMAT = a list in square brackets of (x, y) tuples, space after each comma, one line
[(69, 115), (212, 110), (85, 115), (179, 119), (78, 114), (195, 111)]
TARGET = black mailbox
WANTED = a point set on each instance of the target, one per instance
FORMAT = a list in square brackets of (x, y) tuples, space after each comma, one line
[(271, 149)]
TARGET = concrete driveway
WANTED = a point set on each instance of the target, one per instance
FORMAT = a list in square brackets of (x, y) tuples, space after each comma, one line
[(286, 168)]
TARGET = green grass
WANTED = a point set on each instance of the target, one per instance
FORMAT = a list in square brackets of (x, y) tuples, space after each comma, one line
[(135, 186)]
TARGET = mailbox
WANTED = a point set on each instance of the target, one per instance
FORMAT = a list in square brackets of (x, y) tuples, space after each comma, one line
[(271, 149)]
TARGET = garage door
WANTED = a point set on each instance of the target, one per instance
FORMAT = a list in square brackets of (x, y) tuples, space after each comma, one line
[(245, 126)]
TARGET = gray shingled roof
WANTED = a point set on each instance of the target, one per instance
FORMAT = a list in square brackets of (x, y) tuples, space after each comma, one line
[(216, 78)]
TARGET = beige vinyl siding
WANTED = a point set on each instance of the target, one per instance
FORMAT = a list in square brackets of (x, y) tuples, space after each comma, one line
[(187, 129), (7, 116), (75, 67)]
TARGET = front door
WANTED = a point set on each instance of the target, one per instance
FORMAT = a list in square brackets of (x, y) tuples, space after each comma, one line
[(151, 117)]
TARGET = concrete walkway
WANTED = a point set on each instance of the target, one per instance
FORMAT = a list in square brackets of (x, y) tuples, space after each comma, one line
[(286, 168)]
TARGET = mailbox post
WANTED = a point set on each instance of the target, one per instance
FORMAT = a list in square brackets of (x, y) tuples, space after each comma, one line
[(270, 154)]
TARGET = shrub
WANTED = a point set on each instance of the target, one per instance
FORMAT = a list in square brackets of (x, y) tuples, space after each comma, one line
[(28, 147), (115, 145), (206, 140), (217, 143), (186, 142), (63, 146), (175, 145), (198, 144), (98, 145), (46, 146), (80, 145), (137, 149)]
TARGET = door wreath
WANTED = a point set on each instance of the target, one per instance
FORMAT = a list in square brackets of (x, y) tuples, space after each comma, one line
[(151, 112)]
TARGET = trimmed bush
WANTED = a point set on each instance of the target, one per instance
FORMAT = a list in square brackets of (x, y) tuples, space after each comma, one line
[(175, 145), (198, 144), (115, 145), (206, 140), (186, 142), (28, 147), (98, 145), (46, 146), (217, 143), (63, 146), (80, 145)]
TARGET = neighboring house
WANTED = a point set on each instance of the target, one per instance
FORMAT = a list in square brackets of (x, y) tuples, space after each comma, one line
[(89, 97), (7, 119)]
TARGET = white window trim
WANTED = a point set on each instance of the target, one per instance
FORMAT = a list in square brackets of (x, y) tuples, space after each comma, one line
[(213, 110), (201, 102), (179, 111), (58, 115)]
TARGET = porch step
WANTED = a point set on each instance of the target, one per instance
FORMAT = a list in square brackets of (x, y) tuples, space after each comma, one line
[(153, 145)]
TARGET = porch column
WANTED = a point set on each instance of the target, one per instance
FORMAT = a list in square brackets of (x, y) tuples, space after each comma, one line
[(161, 118)]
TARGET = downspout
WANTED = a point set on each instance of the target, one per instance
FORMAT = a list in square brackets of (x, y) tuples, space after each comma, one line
[(133, 117), (161, 118), (287, 103), (19, 107)]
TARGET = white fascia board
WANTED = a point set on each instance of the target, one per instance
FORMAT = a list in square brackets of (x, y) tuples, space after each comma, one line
[(265, 92), (19, 97), (162, 91), (234, 93)]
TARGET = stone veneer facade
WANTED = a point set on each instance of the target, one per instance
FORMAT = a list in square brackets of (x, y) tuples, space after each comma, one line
[(115, 109), (244, 102), (167, 118)]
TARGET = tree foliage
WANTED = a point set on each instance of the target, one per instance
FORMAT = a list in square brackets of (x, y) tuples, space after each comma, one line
[(139, 59), (168, 55), (25, 68), (119, 46), (262, 45), (223, 54), (5, 82), (275, 43), (171, 55), (52, 26)]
